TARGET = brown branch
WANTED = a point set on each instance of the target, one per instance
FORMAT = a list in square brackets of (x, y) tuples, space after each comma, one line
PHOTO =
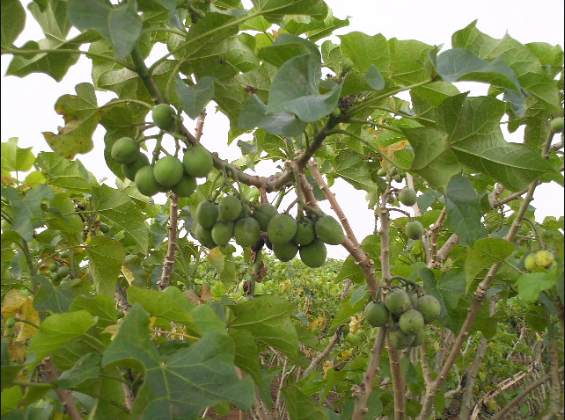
[(122, 300), (510, 198), (470, 379), (435, 261), (316, 361), (200, 125), (66, 398), (500, 415), (398, 385), (493, 198), (362, 392), (555, 400), (169, 263), (426, 371)]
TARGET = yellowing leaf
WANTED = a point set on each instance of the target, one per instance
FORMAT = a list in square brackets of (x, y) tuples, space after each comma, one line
[(28, 313), (128, 275), (354, 324), (12, 301), (346, 354), (390, 151), (284, 286), (327, 366)]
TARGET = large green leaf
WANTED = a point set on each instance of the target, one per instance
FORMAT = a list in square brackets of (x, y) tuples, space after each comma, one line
[(9, 371), (315, 29), (254, 114), (353, 169), (105, 262), (295, 89), (81, 114), (527, 67), (120, 25), (277, 9), (184, 384), (194, 99), (101, 306), (63, 173), (15, 158), (464, 212), (483, 254), (267, 318), (407, 60), (119, 210), (13, 17), (57, 299), (301, 406), (86, 369), (62, 216), (530, 285), (58, 329), (285, 47), (460, 64), (366, 51)]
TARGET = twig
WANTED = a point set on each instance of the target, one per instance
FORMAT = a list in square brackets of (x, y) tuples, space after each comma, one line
[(169, 263), (555, 400), (493, 198), (316, 361), (66, 398), (470, 381), (200, 125), (435, 261), (501, 202), (500, 415)]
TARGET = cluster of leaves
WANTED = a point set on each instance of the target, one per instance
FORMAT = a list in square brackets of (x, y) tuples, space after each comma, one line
[(85, 308)]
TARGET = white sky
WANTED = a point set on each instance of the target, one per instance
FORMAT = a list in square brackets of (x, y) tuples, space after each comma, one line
[(27, 106)]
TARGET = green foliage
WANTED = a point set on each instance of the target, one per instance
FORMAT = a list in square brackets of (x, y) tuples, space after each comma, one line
[(89, 280)]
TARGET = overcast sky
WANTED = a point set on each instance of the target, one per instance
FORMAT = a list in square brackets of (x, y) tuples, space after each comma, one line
[(27, 106)]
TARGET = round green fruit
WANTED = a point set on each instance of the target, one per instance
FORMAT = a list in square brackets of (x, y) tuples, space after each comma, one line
[(407, 196), (429, 307), (164, 117), (530, 262), (397, 301), (185, 187), (125, 150), (336, 112), (544, 258), (229, 208), (130, 169), (55, 278), (197, 162), (247, 232), (207, 214), (411, 321), (168, 171), (414, 230), (285, 252), (281, 229), (381, 172), (64, 254), (419, 337), (146, 183), (329, 230), (305, 232), (399, 339), (10, 323), (104, 228), (63, 271), (264, 213), (376, 314), (557, 125), (222, 232), (53, 267), (204, 236), (314, 254)]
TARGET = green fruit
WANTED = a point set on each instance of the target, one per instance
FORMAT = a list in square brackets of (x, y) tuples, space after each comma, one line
[(314, 254), (263, 214), (419, 337), (429, 307), (63, 271), (336, 112), (557, 125), (125, 150), (414, 230), (207, 214), (197, 161), (376, 314), (146, 183), (305, 232), (411, 321), (413, 298), (407, 196), (64, 254), (10, 323), (53, 267), (168, 171), (285, 252), (164, 117), (204, 236), (393, 171), (229, 208), (281, 229), (381, 172), (222, 232), (247, 232), (185, 187), (329, 230), (544, 258), (56, 278), (397, 301), (398, 178), (245, 212), (530, 262), (399, 339), (104, 228), (130, 169)]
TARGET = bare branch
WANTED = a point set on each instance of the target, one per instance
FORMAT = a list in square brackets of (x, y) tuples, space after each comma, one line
[(169, 262), (66, 398)]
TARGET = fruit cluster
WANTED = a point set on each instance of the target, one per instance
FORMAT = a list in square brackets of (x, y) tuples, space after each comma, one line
[(406, 314), (166, 174), (540, 259), (219, 222)]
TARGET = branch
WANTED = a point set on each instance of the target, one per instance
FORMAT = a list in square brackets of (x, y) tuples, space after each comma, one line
[(555, 400), (65, 397), (169, 263), (470, 381), (398, 385), (435, 261), (500, 415), (316, 361)]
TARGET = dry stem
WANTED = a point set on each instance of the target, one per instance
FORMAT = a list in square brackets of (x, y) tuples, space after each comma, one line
[(65, 396)]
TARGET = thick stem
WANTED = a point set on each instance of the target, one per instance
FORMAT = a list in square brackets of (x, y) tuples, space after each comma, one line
[(470, 379), (169, 263), (555, 396), (66, 398), (398, 385)]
